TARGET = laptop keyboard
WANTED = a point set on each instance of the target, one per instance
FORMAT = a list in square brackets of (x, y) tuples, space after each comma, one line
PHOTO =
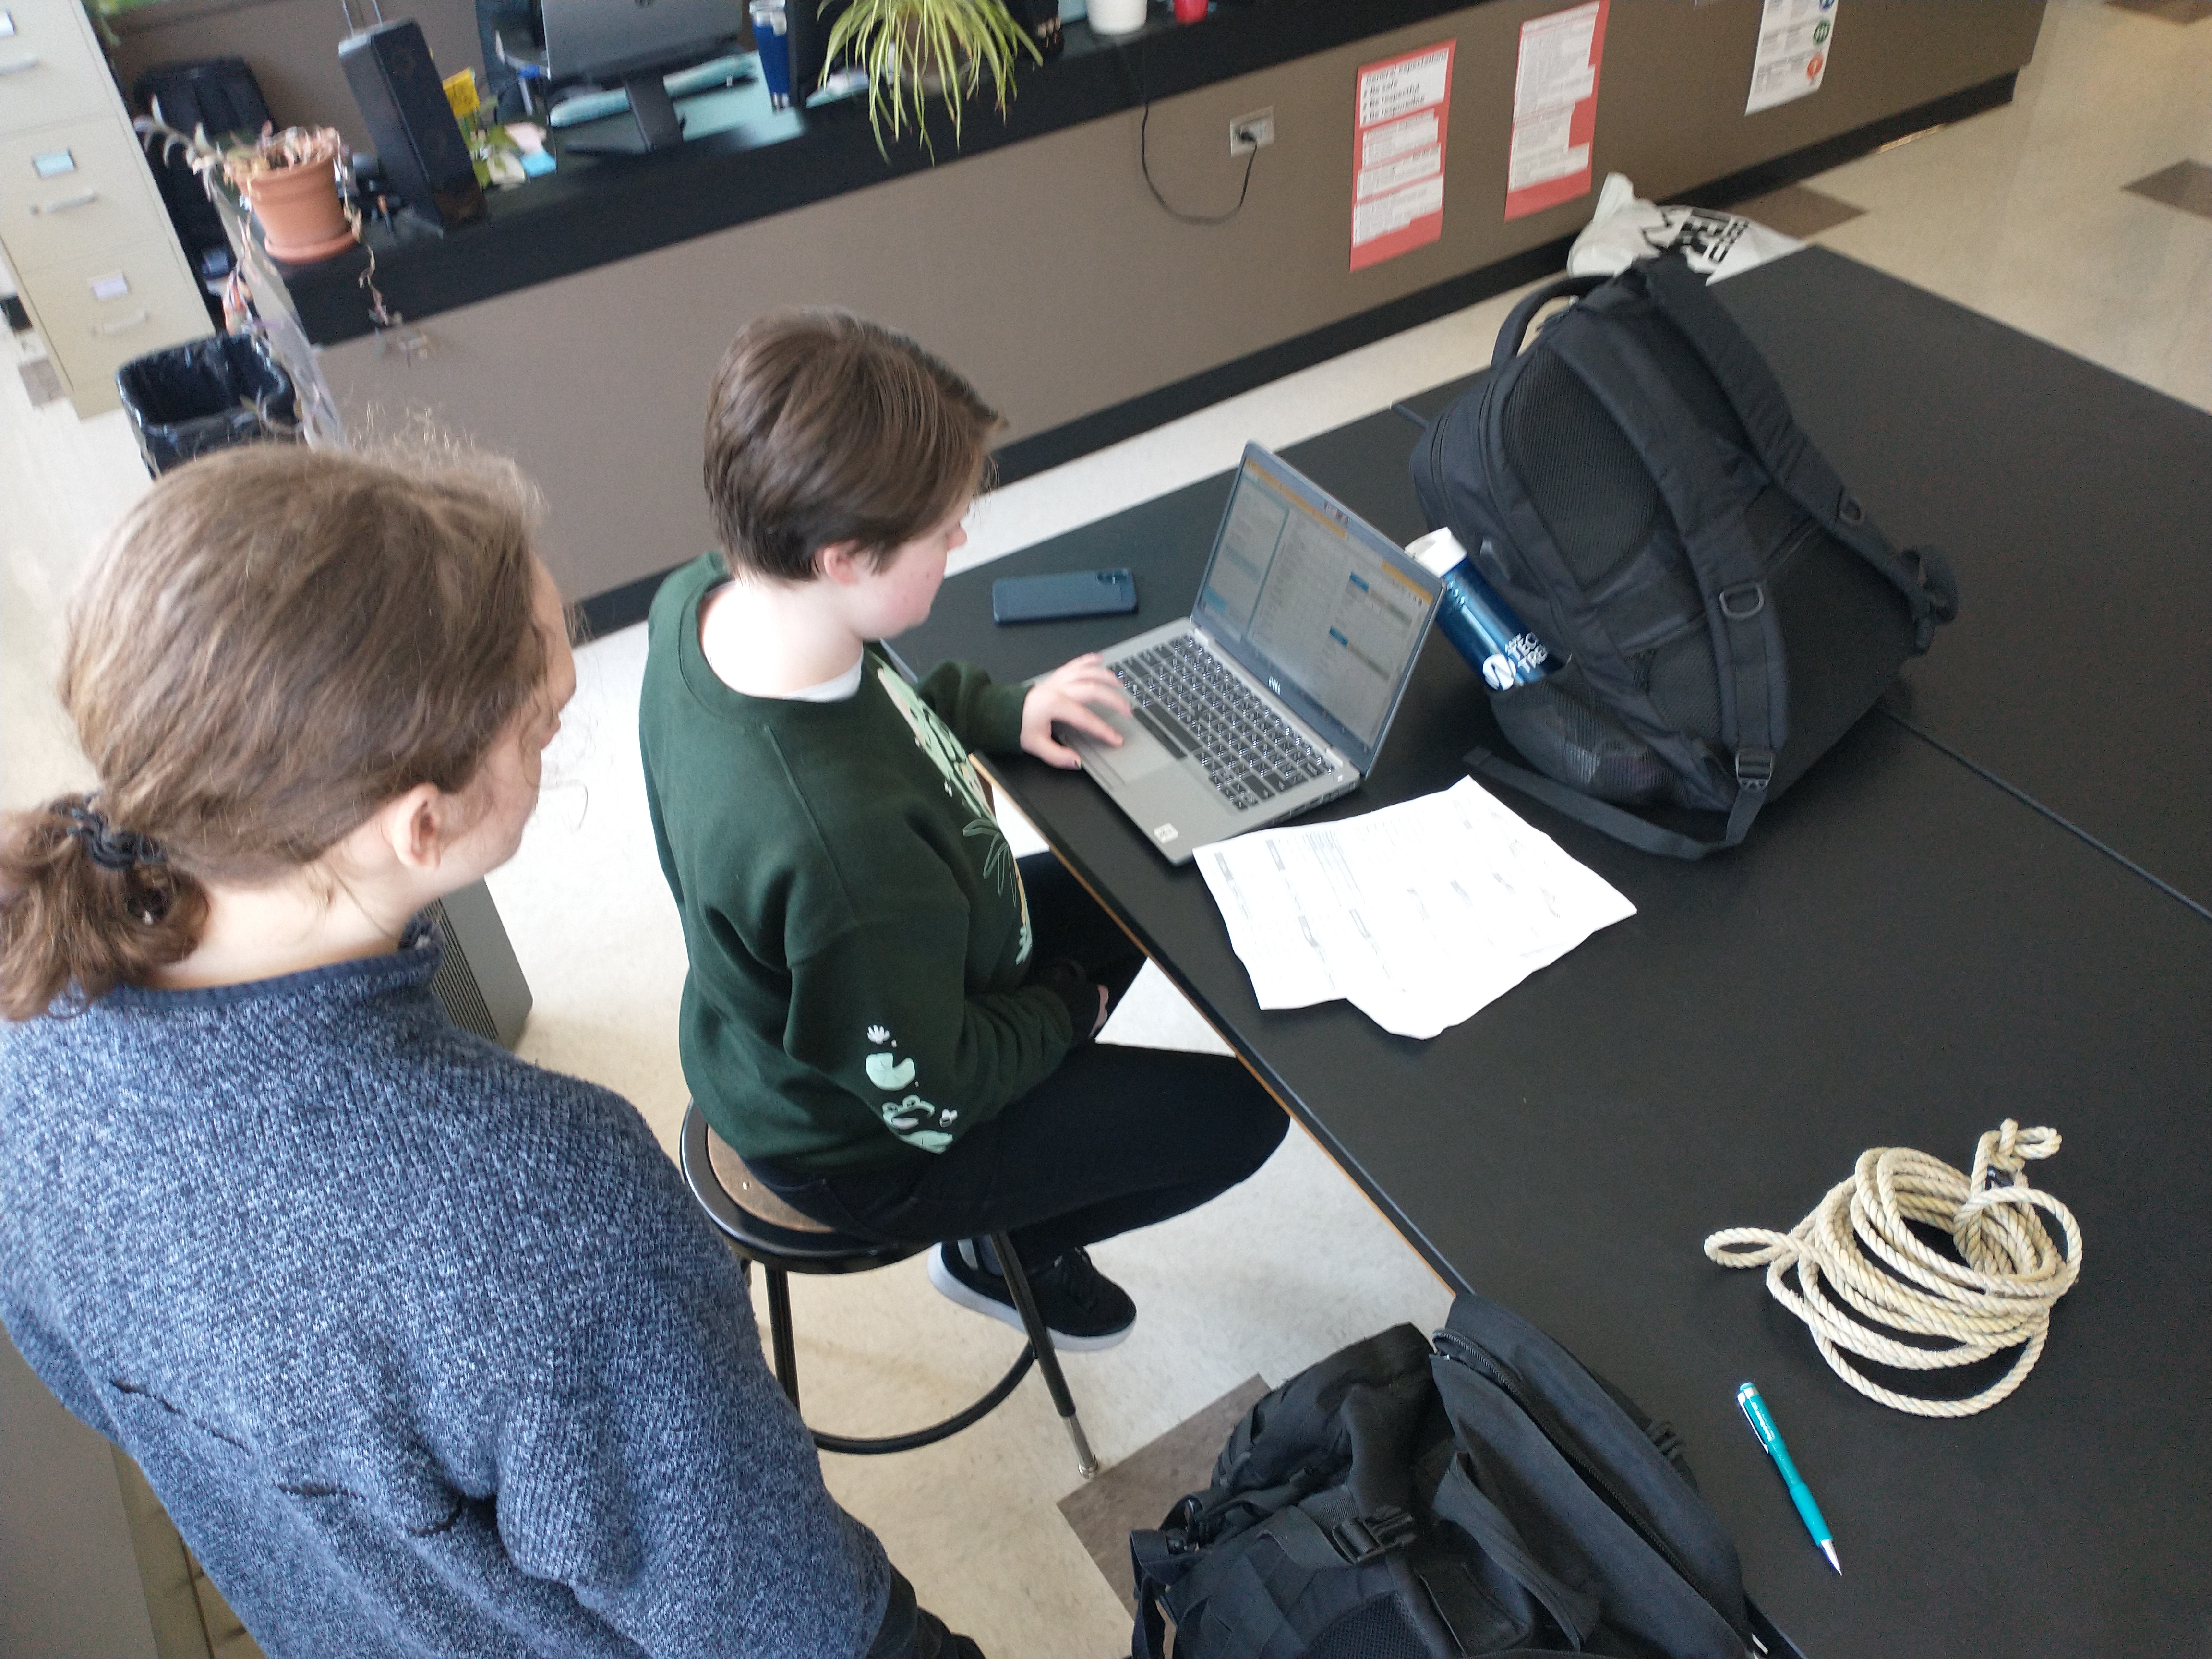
[(1198, 709)]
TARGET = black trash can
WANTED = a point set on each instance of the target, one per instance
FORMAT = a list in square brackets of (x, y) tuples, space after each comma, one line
[(208, 394)]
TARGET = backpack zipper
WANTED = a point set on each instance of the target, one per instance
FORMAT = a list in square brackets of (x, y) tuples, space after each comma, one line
[(1483, 1364), (1799, 540)]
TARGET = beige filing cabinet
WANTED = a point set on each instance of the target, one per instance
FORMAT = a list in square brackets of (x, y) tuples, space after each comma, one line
[(81, 224)]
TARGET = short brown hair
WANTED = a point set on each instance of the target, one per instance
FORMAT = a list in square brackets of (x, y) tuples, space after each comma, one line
[(825, 427), (273, 642)]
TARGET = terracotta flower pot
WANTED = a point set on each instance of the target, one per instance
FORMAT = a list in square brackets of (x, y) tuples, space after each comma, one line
[(301, 218)]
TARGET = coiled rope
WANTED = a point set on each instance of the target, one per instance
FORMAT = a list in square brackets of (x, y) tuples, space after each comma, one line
[(1998, 1296)]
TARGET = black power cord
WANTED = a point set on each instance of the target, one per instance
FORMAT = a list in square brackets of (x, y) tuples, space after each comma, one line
[(1145, 160)]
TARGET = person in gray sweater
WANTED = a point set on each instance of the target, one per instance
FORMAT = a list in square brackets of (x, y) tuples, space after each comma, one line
[(426, 1350)]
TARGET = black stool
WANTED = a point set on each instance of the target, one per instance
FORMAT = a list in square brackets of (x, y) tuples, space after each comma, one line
[(761, 1227)]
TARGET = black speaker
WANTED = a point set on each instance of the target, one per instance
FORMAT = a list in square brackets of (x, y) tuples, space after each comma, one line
[(808, 23), (417, 141)]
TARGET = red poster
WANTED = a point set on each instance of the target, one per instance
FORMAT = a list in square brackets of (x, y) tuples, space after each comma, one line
[(1398, 132), (1554, 108)]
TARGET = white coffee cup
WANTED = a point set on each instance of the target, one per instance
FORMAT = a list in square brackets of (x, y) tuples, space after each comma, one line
[(1117, 17)]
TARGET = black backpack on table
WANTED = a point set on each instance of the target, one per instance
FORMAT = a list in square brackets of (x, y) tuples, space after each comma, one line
[(1487, 1495), (1634, 486)]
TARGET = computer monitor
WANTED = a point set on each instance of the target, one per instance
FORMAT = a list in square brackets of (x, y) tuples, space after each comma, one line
[(637, 43)]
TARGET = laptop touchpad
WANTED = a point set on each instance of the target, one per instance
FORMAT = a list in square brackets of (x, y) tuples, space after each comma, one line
[(1140, 756)]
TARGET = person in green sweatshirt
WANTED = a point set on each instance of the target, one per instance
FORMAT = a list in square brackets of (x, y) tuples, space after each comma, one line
[(888, 1017)]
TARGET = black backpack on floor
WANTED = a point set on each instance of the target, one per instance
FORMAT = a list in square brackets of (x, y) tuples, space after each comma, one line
[(1489, 1496), (1634, 486)]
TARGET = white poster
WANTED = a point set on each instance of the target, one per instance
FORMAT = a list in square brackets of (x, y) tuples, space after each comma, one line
[(1404, 109), (1794, 41), (1554, 108)]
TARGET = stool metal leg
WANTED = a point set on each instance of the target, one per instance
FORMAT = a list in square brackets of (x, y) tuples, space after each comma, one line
[(779, 1331), (1017, 1281)]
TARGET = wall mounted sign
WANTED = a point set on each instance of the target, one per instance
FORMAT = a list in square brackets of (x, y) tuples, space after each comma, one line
[(1793, 51), (1554, 108), (1398, 131)]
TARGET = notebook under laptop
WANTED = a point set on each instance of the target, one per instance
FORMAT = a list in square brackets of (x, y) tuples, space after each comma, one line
[(1275, 694)]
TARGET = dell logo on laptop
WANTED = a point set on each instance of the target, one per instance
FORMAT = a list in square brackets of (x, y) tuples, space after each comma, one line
[(1275, 685)]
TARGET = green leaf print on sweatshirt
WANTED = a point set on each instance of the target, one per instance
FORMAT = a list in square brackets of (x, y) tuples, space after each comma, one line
[(913, 1119), (935, 739)]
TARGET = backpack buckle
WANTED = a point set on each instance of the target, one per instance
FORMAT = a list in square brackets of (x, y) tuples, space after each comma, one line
[(1363, 1538), (1754, 770), (1743, 602)]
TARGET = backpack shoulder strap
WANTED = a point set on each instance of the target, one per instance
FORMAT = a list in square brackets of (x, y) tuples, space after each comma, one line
[(1621, 825), (1154, 1565), (1922, 575), (1569, 619), (1597, 340)]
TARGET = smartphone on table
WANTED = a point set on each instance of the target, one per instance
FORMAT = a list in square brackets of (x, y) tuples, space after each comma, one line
[(1062, 594)]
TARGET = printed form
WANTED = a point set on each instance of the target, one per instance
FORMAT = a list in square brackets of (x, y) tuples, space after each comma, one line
[(1420, 914)]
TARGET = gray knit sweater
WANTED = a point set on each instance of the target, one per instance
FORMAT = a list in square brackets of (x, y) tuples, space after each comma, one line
[(426, 1350)]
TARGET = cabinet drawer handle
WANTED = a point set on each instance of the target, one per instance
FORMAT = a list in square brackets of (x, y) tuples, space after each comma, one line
[(17, 65), (121, 325), (64, 203)]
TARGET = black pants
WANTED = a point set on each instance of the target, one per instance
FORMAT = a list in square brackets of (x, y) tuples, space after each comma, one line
[(1114, 1138), (913, 1632)]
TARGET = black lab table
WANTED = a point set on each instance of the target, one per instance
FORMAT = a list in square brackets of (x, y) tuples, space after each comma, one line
[(1985, 903)]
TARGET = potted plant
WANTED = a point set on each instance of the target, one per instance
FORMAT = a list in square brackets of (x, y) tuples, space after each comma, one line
[(912, 50), (290, 181)]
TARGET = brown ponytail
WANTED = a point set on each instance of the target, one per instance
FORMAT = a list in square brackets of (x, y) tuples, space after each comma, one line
[(270, 644)]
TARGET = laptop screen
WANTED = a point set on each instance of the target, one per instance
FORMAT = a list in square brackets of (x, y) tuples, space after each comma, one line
[(1324, 609)]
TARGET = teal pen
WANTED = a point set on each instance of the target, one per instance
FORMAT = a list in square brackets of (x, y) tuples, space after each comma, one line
[(1762, 1424)]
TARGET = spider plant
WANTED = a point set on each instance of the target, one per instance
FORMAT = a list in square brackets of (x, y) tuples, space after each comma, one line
[(910, 48), (270, 151)]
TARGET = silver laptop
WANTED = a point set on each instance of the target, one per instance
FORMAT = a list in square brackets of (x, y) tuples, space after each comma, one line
[(1275, 694)]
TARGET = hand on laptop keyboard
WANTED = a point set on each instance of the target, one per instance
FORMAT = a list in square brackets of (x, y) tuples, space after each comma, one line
[(1195, 707), (1070, 696)]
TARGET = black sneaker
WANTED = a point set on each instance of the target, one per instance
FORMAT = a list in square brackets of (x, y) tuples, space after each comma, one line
[(1082, 1308)]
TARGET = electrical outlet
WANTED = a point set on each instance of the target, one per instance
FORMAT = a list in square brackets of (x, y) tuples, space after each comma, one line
[(1255, 131)]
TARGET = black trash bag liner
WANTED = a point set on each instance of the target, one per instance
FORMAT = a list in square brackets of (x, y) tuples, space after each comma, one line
[(207, 394)]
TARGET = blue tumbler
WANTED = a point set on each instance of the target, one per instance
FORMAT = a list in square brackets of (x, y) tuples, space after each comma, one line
[(1479, 623)]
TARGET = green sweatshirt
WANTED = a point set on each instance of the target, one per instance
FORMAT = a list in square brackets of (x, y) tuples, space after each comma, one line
[(857, 933)]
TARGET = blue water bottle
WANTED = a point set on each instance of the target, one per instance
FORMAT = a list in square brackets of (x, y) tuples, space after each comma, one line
[(772, 40), (1478, 621)]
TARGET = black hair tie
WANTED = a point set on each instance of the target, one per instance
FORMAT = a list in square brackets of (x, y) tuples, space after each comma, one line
[(109, 847)]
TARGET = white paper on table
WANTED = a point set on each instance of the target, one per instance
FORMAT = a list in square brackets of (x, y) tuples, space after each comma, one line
[(1420, 915)]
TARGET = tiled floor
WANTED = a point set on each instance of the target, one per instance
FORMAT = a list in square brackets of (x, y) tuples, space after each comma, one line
[(2038, 215), (2169, 11), (1798, 210), (2185, 184)]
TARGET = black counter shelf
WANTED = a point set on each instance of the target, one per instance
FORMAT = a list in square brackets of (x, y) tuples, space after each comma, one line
[(597, 210)]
